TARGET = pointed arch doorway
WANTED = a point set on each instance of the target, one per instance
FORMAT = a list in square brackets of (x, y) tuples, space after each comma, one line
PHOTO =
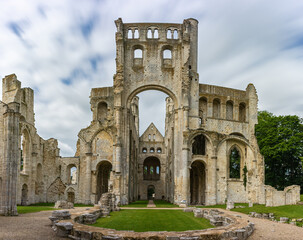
[(197, 183)]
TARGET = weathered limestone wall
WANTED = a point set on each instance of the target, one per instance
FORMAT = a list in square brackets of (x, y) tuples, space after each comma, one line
[(289, 196)]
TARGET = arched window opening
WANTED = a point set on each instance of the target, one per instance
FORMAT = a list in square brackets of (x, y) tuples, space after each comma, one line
[(102, 111), (159, 150), (154, 137), (71, 174), (234, 163), (151, 168), (138, 53), (103, 175), (242, 112), (167, 54), (198, 146), (149, 137), (149, 33), (24, 150), (152, 150), (229, 110), (216, 108), (136, 34), (169, 34), (175, 34), (130, 34), (144, 150), (156, 33), (203, 108)]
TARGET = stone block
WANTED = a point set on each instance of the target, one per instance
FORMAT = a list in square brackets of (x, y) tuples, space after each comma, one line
[(63, 229), (284, 219), (188, 209), (172, 238), (230, 205), (112, 237)]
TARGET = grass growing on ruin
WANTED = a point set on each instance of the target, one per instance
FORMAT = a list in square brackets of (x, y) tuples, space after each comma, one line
[(140, 203), (164, 204), (82, 205), (32, 209), (153, 220)]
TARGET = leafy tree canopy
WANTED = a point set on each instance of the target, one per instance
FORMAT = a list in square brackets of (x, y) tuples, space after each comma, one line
[(280, 139)]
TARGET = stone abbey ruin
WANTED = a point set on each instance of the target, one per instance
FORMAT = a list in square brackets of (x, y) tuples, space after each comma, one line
[(208, 155)]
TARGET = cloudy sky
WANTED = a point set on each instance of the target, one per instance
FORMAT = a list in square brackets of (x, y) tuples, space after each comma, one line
[(63, 48)]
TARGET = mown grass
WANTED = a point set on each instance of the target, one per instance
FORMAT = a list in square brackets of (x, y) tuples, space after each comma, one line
[(140, 203), (32, 209), (290, 211), (301, 198), (142, 220), (164, 204)]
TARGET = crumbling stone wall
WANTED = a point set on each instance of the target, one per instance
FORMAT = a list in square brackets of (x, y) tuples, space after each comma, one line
[(110, 153)]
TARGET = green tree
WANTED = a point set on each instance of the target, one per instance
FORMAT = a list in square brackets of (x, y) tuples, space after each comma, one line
[(280, 139)]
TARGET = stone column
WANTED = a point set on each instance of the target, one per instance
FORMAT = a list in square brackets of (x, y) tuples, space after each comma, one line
[(185, 117), (8, 203), (118, 145), (185, 173), (212, 185), (88, 174)]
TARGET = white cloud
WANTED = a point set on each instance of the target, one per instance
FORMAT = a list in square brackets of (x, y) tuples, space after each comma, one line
[(63, 48)]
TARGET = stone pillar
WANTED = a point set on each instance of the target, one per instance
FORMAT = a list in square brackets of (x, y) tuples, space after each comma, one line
[(8, 200), (185, 173), (185, 117), (212, 185), (118, 145), (88, 174)]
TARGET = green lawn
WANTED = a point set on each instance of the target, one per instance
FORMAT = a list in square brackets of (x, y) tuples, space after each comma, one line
[(143, 220), (290, 211), (301, 197), (164, 204), (141, 203), (31, 209)]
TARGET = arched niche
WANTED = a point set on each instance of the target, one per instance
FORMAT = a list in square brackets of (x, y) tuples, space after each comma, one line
[(102, 111)]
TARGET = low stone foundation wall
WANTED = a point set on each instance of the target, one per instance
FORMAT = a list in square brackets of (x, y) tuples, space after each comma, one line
[(229, 227), (290, 196)]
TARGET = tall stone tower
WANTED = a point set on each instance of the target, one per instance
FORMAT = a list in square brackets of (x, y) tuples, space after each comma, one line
[(9, 151)]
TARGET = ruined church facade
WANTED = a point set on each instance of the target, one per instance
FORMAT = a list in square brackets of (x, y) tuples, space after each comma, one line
[(208, 154)]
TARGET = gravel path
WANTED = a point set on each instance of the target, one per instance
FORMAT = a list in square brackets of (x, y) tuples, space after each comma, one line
[(36, 226), (266, 229)]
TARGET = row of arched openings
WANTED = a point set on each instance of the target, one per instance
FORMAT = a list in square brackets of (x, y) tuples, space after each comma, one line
[(138, 53), (152, 33), (152, 150), (216, 107), (151, 168)]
